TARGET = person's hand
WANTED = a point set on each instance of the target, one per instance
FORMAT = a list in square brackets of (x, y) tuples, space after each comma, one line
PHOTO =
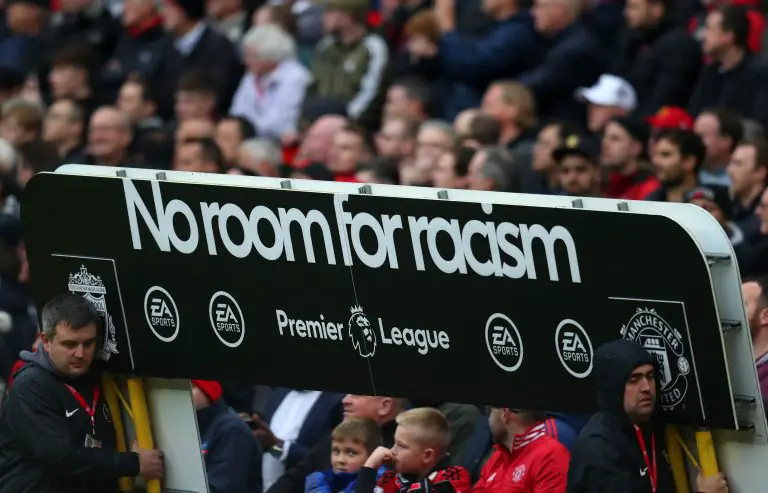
[(445, 14), (712, 484), (151, 463), (379, 457), (263, 433)]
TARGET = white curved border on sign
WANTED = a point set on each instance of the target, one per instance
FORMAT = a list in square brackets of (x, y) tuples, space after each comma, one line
[(488, 342), (569, 321), (239, 312), (175, 334)]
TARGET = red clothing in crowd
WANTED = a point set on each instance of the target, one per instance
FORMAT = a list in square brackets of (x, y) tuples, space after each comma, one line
[(537, 463), (636, 186), (458, 477)]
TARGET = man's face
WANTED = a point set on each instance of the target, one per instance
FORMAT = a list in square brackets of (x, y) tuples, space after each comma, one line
[(335, 21), (228, 138), (752, 304), (397, 103), (431, 143), (346, 152), (715, 39), (245, 161), (365, 406), (173, 16), (391, 141), (762, 212), (59, 124), (107, 135), (638, 14), (546, 14), (196, 128), (617, 147), (348, 455), (135, 11), (475, 178), (711, 207), (640, 393), (199, 399), (599, 116), (71, 351), (318, 141), (495, 106), (130, 100), (718, 146), (66, 80), (193, 105), (497, 425), (546, 142), (578, 176), (668, 163), (444, 173), (743, 172), (189, 157)]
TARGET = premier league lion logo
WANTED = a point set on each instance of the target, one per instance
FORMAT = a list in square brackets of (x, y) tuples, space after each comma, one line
[(361, 333)]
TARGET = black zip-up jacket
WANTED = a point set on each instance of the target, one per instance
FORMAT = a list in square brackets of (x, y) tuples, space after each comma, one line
[(42, 435), (606, 457)]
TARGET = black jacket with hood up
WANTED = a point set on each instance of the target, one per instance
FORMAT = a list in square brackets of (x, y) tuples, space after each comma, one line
[(42, 435), (606, 457)]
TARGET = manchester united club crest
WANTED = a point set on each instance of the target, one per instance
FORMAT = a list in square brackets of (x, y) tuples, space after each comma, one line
[(519, 473), (92, 288), (665, 344)]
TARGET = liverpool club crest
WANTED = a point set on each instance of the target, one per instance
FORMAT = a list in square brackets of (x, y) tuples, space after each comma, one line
[(92, 288)]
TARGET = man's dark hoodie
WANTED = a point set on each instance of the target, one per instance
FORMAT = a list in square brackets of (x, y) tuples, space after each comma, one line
[(606, 457), (42, 435)]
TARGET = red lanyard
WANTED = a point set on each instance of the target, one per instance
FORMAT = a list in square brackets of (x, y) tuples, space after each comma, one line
[(89, 410), (650, 465)]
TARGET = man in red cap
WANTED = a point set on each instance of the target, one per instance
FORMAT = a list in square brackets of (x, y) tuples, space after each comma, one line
[(232, 454)]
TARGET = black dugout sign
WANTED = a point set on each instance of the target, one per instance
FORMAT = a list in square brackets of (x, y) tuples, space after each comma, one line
[(448, 301)]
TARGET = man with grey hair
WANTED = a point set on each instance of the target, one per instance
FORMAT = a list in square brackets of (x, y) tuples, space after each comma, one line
[(259, 156), (271, 93), (109, 135), (492, 169), (435, 137)]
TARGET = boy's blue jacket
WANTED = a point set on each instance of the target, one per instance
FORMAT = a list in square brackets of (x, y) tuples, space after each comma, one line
[(334, 482)]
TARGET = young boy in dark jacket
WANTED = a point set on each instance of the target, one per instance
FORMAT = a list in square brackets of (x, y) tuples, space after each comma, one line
[(418, 458), (353, 440)]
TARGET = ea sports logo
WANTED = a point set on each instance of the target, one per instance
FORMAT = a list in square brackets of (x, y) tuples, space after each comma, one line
[(361, 333), (226, 319), (161, 314), (574, 348), (504, 342)]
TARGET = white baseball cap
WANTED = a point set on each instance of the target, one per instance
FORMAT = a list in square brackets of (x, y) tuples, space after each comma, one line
[(610, 90)]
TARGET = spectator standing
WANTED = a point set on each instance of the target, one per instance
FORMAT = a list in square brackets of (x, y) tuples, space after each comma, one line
[(720, 130), (574, 58), (508, 49), (229, 449), (731, 79), (623, 155), (55, 430), (20, 27), (139, 50), (748, 172), (349, 64), (270, 95), (677, 158), (194, 46), (621, 448), (64, 127), (658, 56)]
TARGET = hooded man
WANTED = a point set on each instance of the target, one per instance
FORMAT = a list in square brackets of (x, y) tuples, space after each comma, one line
[(621, 449), (56, 431), (231, 452)]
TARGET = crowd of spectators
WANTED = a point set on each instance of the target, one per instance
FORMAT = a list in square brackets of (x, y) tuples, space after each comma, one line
[(640, 99)]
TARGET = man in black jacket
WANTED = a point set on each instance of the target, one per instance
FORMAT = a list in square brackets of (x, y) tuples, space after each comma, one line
[(621, 449), (56, 432)]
